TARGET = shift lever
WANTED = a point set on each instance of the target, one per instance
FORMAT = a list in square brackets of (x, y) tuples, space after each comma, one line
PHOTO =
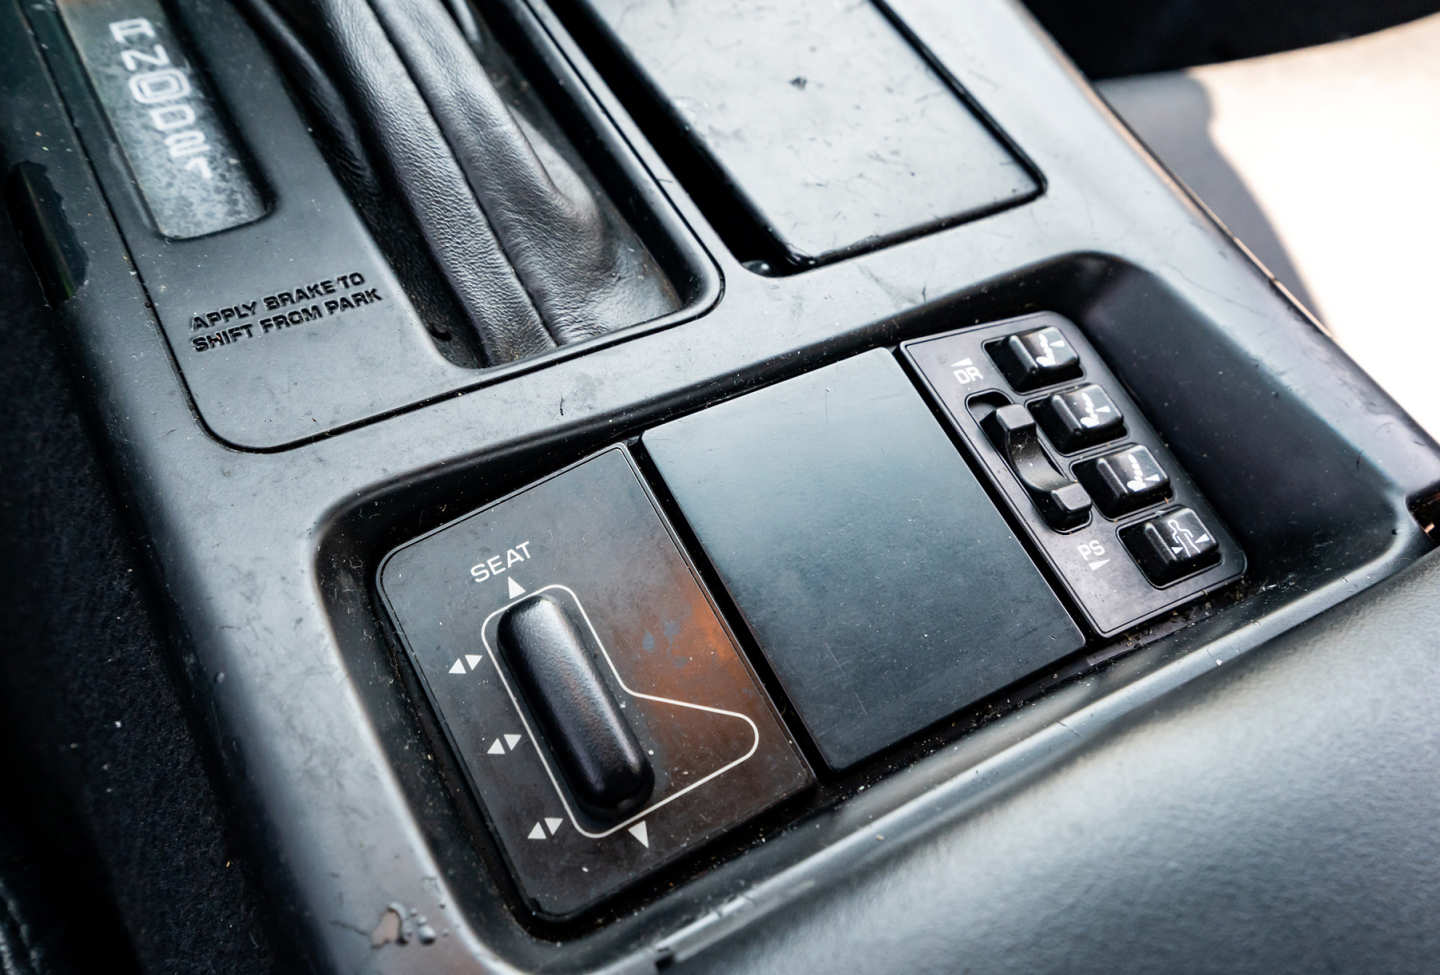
[(533, 257)]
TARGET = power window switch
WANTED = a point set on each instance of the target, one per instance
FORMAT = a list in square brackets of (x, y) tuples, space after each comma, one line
[(1171, 545), (1080, 418), (1124, 480), (1039, 357)]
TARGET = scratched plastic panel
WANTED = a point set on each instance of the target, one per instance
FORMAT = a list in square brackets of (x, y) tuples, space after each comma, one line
[(592, 539), (186, 161), (820, 119)]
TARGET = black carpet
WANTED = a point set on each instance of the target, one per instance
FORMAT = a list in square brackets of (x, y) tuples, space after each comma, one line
[(115, 853)]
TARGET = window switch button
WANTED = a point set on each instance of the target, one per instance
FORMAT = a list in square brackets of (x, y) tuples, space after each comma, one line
[(1124, 480), (1079, 418), (1171, 545), (1039, 357)]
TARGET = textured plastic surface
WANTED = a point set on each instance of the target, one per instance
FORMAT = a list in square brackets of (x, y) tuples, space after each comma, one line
[(820, 120), (1277, 815), (1091, 562), (880, 582), (590, 542)]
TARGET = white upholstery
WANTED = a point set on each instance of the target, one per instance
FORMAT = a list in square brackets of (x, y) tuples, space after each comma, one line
[(1326, 162)]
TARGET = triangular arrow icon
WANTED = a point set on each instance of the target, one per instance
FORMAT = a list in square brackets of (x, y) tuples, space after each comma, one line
[(536, 833), (473, 659), (458, 667), (516, 590), (512, 740), (553, 823), (641, 833), (495, 748)]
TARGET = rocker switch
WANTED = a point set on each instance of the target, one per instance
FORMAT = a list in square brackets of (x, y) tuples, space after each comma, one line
[(1062, 502), (1035, 358)]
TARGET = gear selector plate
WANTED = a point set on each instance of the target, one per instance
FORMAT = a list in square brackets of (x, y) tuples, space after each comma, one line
[(599, 707)]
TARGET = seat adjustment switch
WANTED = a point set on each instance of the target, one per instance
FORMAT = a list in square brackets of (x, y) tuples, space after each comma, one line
[(597, 753), (598, 706), (1171, 545)]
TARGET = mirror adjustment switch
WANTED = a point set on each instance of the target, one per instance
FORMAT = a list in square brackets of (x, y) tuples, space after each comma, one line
[(1124, 480), (1038, 357), (1078, 418), (1062, 502), (1171, 545), (601, 711)]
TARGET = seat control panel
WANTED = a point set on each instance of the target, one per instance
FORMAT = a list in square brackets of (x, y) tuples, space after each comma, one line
[(1122, 525), (599, 707)]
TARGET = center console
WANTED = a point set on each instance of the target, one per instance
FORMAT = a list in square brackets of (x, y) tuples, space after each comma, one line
[(919, 428)]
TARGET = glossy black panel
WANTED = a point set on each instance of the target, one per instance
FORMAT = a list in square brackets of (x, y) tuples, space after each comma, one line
[(880, 582)]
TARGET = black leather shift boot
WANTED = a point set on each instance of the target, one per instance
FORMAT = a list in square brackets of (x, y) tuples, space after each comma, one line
[(534, 256)]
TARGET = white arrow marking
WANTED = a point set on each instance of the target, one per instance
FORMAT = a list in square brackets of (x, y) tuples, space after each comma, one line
[(473, 659), (641, 833), (512, 740), (495, 748), (1096, 565), (962, 362), (536, 833), (516, 590), (553, 823), (458, 667)]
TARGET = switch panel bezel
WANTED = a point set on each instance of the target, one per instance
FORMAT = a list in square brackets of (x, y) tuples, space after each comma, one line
[(1091, 563)]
